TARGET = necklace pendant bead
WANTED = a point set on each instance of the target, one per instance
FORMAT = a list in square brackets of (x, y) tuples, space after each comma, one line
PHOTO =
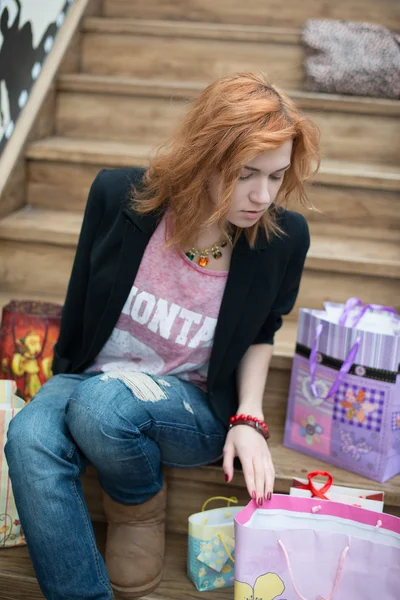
[(203, 261), (217, 254), (190, 255), (223, 244)]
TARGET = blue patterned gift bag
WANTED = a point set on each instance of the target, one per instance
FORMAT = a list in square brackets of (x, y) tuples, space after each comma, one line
[(211, 546)]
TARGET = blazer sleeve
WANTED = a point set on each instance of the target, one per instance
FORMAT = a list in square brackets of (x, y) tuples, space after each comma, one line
[(74, 305), (289, 289)]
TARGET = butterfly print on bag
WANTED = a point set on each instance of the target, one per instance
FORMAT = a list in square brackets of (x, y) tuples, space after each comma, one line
[(352, 447)]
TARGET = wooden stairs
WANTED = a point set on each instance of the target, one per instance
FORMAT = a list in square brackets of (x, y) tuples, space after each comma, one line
[(139, 65)]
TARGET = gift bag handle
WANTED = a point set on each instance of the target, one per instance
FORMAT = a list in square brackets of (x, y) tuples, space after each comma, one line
[(317, 493), (338, 573), (231, 500), (357, 303), (344, 369), (221, 537)]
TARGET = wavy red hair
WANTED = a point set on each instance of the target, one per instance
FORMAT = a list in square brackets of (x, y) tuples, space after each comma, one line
[(232, 120)]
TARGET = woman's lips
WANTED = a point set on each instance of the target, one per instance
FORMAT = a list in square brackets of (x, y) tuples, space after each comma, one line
[(252, 214)]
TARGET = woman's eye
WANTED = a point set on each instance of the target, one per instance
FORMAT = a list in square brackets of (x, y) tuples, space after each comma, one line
[(245, 177), (277, 178)]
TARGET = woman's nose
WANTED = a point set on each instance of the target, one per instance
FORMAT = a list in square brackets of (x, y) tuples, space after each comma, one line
[(261, 195)]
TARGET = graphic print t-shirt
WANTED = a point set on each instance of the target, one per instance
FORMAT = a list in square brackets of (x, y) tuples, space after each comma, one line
[(168, 321)]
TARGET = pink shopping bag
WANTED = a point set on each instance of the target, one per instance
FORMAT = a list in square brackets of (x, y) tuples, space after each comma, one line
[(293, 548)]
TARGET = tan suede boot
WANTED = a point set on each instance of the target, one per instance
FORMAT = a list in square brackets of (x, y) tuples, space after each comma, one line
[(135, 545)]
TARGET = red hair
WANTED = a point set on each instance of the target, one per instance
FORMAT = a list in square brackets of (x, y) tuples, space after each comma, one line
[(234, 119)]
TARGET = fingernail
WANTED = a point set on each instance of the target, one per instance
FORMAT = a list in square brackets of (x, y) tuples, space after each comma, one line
[(269, 496), (253, 495), (226, 477), (260, 502)]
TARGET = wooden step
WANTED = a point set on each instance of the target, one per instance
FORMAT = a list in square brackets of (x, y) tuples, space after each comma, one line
[(18, 580), (348, 194), (336, 267), (258, 12), (187, 51), (133, 86), (189, 488), (6, 297), (129, 110), (285, 339)]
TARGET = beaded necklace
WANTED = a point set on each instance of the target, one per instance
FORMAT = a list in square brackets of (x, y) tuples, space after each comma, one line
[(203, 259)]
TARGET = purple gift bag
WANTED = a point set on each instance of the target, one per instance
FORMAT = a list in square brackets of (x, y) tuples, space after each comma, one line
[(344, 399), (307, 549)]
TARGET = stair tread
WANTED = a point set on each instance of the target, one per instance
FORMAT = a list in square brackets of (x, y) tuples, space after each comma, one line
[(16, 570), (41, 225), (107, 153), (15, 565), (111, 84), (338, 253), (124, 154), (258, 11), (288, 464), (191, 29), (285, 339), (6, 297)]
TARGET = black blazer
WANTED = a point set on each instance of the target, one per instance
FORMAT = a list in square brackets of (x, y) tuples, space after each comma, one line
[(262, 285)]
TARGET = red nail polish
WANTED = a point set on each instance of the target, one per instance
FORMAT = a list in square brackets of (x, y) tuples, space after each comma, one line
[(269, 496), (260, 502), (253, 495), (226, 477)]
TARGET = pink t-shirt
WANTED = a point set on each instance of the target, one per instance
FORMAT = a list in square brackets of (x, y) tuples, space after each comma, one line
[(168, 321)]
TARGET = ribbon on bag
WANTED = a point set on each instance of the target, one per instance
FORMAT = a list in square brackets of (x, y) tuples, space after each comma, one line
[(231, 500), (344, 369), (317, 493), (337, 578), (353, 303), (211, 554)]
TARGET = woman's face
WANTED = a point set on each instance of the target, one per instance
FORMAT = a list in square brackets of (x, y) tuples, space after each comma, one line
[(258, 184)]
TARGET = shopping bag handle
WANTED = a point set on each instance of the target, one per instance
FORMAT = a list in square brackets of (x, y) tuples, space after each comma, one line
[(344, 369), (357, 303), (317, 493), (338, 573), (231, 500)]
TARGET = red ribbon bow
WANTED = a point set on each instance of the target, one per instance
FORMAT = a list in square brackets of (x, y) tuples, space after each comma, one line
[(315, 493)]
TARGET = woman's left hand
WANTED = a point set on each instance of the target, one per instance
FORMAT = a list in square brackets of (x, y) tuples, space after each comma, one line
[(252, 450)]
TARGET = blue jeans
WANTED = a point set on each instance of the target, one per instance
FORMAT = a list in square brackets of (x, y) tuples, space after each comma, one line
[(127, 429)]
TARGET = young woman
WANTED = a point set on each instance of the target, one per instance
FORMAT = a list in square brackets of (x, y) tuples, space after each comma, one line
[(180, 280)]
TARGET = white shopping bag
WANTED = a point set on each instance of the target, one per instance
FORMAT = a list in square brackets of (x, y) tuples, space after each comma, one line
[(10, 527), (310, 488), (370, 317)]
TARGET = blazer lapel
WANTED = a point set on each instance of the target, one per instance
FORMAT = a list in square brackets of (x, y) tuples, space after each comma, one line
[(241, 273), (136, 234)]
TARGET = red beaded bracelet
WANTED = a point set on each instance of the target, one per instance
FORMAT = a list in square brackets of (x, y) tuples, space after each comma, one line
[(258, 424)]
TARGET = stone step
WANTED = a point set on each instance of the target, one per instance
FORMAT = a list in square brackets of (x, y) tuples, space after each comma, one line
[(258, 12), (131, 110), (336, 267), (18, 580), (187, 51), (358, 196)]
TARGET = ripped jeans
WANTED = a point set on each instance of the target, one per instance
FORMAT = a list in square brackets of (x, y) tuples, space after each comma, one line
[(127, 426)]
